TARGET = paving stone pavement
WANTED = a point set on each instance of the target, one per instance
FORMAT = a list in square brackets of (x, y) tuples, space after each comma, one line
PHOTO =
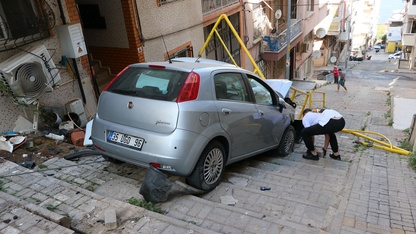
[(368, 191)]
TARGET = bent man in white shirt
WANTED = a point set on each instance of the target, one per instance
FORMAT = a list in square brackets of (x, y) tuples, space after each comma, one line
[(328, 122)]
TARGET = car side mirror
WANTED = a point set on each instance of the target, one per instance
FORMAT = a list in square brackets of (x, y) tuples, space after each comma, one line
[(282, 104)]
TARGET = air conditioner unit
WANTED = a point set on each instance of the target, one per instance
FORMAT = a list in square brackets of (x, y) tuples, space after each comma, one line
[(29, 74)]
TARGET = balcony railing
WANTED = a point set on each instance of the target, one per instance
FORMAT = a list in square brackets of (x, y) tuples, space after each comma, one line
[(279, 42), (209, 6), (409, 39)]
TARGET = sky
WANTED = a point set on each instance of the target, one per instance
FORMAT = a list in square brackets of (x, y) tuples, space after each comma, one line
[(387, 7)]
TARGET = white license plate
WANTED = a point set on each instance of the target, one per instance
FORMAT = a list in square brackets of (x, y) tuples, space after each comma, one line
[(125, 139)]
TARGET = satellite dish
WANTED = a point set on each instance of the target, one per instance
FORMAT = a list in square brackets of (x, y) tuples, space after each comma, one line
[(320, 33), (278, 14), (316, 54), (333, 59)]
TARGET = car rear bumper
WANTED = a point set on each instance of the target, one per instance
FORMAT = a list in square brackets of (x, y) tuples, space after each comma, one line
[(177, 151)]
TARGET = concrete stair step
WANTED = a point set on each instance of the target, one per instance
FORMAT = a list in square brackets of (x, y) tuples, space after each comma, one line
[(86, 210), (21, 216), (231, 219), (103, 75), (264, 167)]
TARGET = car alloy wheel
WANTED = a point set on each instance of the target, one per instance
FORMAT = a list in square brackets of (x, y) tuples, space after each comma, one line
[(213, 165), (287, 142), (209, 168)]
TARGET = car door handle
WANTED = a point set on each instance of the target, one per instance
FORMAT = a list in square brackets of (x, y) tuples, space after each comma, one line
[(226, 111)]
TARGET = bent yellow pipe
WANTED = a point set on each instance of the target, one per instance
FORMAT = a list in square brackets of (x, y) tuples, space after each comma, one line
[(383, 145)]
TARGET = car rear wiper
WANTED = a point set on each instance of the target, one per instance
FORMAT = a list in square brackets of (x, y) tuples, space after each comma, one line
[(124, 91)]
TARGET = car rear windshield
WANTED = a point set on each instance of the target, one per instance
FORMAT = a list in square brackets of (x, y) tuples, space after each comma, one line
[(150, 83)]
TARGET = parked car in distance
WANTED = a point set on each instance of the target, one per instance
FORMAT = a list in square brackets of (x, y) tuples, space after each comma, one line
[(396, 55), (377, 48), (191, 118)]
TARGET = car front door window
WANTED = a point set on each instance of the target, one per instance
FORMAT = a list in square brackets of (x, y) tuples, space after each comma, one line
[(261, 93)]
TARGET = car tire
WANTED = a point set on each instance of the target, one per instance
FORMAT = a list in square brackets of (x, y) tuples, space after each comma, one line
[(209, 169), (112, 160), (287, 142)]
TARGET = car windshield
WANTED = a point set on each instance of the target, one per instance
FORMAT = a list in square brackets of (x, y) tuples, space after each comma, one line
[(149, 83)]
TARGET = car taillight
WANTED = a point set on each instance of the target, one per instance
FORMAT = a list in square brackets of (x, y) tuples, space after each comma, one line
[(190, 88), (115, 78), (160, 166)]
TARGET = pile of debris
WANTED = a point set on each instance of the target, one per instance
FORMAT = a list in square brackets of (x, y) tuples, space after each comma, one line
[(30, 143)]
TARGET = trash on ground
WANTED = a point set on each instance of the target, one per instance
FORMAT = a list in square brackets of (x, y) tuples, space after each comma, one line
[(12, 143), (55, 137), (228, 200)]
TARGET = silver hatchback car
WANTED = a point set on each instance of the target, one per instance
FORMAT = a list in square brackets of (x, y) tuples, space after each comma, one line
[(190, 118)]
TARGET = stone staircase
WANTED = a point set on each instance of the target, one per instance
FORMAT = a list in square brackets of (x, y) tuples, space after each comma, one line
[(83, 190), (103, 74)]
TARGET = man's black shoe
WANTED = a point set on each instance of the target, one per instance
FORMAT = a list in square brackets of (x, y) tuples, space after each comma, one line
[(310, 156)]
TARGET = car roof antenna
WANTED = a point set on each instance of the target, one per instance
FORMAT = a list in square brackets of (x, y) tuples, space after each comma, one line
[(167, 52)]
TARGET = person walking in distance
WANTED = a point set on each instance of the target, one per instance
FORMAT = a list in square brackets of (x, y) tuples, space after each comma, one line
[(336, 74), (328, 122), (341, 81)]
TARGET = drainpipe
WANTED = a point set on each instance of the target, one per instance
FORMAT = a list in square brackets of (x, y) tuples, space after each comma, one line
[(288, 40)]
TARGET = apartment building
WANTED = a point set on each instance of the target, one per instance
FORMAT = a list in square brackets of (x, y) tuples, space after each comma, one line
[(409, 32), (287, 44), (364, 24)]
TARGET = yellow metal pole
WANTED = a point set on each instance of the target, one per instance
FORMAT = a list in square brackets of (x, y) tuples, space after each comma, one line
[(243, 47), (225, 47), (383, 145)]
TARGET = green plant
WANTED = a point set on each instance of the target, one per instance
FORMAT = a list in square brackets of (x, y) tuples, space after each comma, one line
[(1, 187), (363, 128), (412, 161), (5, 89), (147, 205), (405, 144), (42, 166), (90, 187), (368, 113), (388, 101), (388, 114), (391, 122), (407, 131), (359, 147), (51, 207), (192, 222)]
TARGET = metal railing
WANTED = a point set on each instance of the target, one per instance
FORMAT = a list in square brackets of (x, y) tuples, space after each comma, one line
[(308, 99), (210, 6), (279, 42), (26, 26)]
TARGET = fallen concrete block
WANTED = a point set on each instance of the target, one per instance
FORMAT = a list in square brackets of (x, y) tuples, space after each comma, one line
[(110, 219)]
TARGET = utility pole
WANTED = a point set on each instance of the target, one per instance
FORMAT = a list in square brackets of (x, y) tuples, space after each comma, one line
[(348, 35), (288, 40)]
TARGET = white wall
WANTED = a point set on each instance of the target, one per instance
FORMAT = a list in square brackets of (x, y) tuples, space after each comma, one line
[(109, 37), (179, 22)]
